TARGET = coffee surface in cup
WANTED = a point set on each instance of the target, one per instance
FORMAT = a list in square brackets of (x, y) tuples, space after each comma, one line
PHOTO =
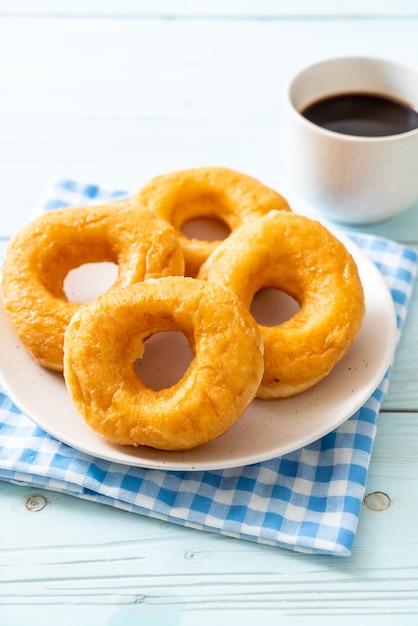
[(362, 114)]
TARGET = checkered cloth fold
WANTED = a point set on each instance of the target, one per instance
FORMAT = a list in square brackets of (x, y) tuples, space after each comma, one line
[(308, 500)]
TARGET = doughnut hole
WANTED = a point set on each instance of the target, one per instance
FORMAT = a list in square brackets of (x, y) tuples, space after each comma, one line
[(166, 357), (89, 280), (271, 307), (206, 229), (201, 227), (208, 205)]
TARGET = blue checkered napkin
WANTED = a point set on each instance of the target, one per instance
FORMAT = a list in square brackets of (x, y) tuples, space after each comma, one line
[(308, 500)]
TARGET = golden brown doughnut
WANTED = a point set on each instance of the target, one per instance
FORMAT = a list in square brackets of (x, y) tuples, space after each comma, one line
[(211, 192), (104, 339), (41, 255), (302, 258)]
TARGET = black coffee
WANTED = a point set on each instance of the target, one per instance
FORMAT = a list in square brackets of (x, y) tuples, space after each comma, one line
[(362, 114)]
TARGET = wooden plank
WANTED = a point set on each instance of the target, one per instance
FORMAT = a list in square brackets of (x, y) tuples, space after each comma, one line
[(403, 389), (125, 565), (216, 8), (163, 98), (115, 101)]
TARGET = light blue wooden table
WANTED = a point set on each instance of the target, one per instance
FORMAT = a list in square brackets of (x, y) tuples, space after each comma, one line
[(116, 92)]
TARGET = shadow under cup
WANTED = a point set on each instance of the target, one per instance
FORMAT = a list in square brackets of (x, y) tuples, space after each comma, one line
[(350, 178)]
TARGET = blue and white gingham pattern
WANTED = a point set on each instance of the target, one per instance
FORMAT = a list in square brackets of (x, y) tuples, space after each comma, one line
[(308, 500)]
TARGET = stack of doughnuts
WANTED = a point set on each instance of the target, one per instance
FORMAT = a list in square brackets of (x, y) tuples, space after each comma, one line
[(203, 289)]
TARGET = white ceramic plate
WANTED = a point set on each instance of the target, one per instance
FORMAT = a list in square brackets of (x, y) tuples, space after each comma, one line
[(266, 430)]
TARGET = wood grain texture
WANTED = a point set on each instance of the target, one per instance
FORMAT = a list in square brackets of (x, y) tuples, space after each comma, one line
[(117, 564), (115, 93), (216, 9), (162, 97)]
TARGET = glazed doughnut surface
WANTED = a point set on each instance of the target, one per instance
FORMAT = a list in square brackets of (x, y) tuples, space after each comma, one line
[(212, 192), (105, 338), (42, 254), (302, 258)]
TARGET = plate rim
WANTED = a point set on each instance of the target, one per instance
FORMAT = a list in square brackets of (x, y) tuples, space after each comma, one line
[(117, 454)]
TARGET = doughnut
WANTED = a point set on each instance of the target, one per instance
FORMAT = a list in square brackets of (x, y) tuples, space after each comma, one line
[(106, 337), (302, 258), (41, 255), (207, 192)]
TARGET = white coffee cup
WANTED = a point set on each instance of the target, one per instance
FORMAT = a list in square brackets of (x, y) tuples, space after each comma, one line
[(351, 179)]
